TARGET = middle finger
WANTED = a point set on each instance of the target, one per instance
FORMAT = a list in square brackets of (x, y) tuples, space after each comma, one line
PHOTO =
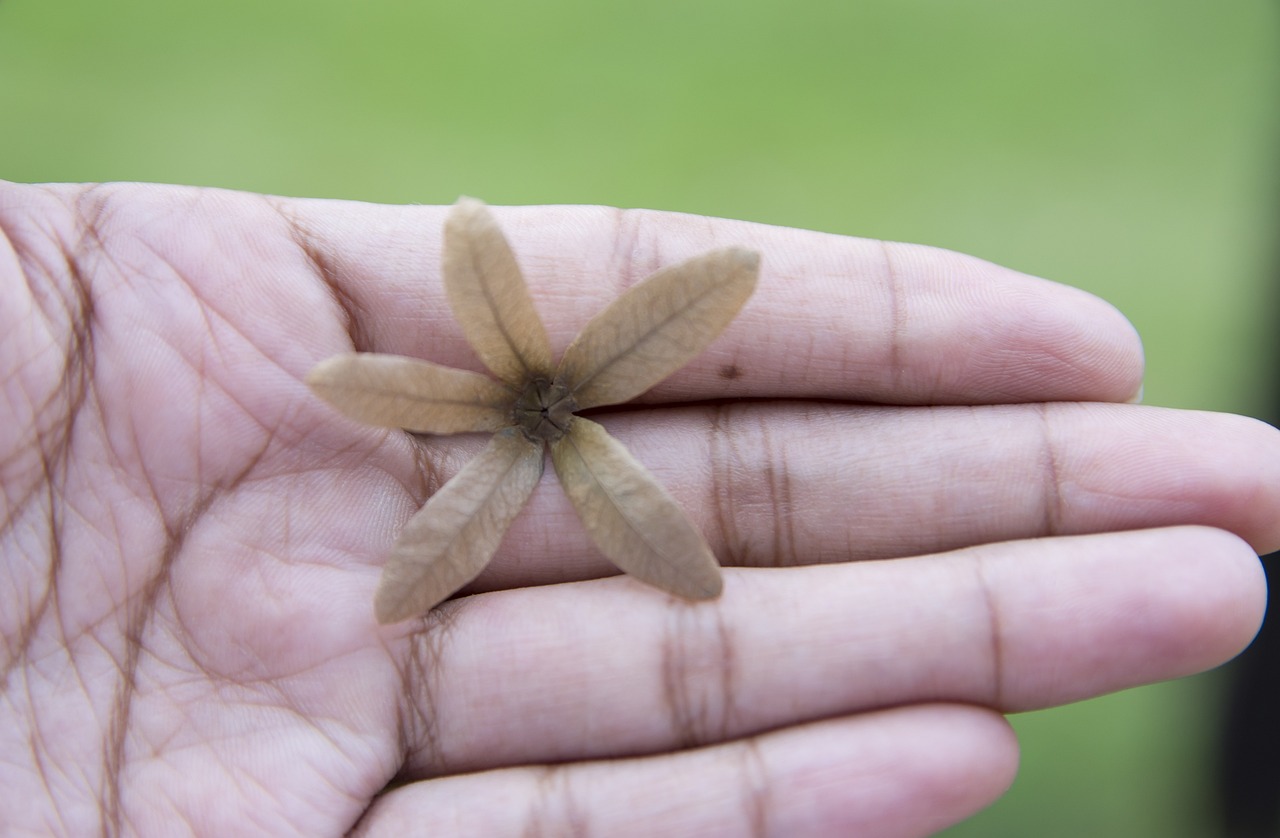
[(775, 484)]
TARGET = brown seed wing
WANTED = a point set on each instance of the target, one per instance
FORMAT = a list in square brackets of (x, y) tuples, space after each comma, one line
[(489, 297), (449, 541), (657, 327), (630, 517), (392, 391)]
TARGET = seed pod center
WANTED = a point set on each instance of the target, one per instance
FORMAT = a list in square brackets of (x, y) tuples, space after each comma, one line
[(544, 410)]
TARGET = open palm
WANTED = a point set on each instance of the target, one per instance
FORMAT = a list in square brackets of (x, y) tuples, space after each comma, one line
[(191, 540)]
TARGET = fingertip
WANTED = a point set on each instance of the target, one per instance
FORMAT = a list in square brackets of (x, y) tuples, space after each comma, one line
[(1097, 350), (1124, 609), (1224, 596), (1246, 468), (1121, 358), (909, 771)]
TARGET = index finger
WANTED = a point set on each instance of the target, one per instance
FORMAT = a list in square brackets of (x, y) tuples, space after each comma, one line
[(832, 317)]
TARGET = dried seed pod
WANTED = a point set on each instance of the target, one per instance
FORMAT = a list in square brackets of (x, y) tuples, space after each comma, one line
[(641, 338)]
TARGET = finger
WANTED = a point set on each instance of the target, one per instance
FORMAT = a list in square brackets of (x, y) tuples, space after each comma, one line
[(801, 484), (1010, 626), (832, 316), (909, 771)]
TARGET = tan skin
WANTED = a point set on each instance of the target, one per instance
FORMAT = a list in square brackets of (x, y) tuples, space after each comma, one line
[(191, 540)]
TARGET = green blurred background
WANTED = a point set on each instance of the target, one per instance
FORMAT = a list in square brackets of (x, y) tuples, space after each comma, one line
[(1122, 146)]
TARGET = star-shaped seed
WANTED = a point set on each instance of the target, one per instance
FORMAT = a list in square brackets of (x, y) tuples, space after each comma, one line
[(641, 338)]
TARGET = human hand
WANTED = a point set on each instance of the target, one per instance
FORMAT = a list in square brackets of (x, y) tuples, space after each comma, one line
[(919, 462)]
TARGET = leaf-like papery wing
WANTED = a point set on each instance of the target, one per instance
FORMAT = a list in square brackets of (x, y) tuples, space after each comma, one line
[(657, 327), (392, 391), (489, 297), (449, 541), (630, 517)]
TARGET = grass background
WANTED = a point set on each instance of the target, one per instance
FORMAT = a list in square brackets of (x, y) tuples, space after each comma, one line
[(1124, 146)]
